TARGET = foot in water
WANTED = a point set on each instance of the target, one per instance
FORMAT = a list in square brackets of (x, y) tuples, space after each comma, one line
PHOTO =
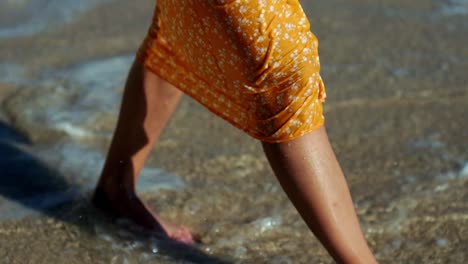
[(128, 205)]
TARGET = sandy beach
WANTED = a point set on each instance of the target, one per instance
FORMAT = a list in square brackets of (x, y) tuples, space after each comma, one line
[(396, 111)]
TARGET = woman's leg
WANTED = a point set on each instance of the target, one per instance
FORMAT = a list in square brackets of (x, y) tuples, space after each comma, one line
[(148, 103), (311, 176)]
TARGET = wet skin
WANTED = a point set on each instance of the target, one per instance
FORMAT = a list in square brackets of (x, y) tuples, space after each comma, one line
[(306, 168)]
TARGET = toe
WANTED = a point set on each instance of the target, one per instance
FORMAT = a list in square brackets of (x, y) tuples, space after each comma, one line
[(182, 234)]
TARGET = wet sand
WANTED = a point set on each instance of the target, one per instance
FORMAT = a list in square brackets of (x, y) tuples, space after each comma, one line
[(396, 111)]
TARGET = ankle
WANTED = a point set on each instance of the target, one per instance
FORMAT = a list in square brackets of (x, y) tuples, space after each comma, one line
[(112, 187)]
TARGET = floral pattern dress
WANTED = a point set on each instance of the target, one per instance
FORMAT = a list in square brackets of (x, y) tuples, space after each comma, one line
[(254, 63)]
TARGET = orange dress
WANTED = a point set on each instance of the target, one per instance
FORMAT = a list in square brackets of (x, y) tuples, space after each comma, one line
[(252, 62)]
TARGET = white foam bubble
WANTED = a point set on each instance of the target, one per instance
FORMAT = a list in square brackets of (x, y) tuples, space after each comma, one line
[(464, 171), (268, 223), (459, 174), (91, 93), (72, 130), (454, 7)]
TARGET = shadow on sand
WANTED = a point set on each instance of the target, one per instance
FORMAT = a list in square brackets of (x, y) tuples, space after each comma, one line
[(27, 181)]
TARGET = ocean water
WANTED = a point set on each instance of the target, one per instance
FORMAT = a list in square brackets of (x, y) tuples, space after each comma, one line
[(396, 78), (19, 18), (454, 7)]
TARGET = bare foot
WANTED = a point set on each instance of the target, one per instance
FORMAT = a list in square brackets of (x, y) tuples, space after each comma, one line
[(129, 206)]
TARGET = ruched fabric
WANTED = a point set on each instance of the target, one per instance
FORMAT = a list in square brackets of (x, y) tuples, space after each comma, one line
[(254, 63)]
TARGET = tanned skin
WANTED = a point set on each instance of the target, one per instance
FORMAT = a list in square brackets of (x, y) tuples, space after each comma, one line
[(306, 168)]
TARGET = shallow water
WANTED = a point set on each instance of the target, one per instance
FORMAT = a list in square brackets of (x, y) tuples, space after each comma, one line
[(454, 7), (19, 18), (396, 79)]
